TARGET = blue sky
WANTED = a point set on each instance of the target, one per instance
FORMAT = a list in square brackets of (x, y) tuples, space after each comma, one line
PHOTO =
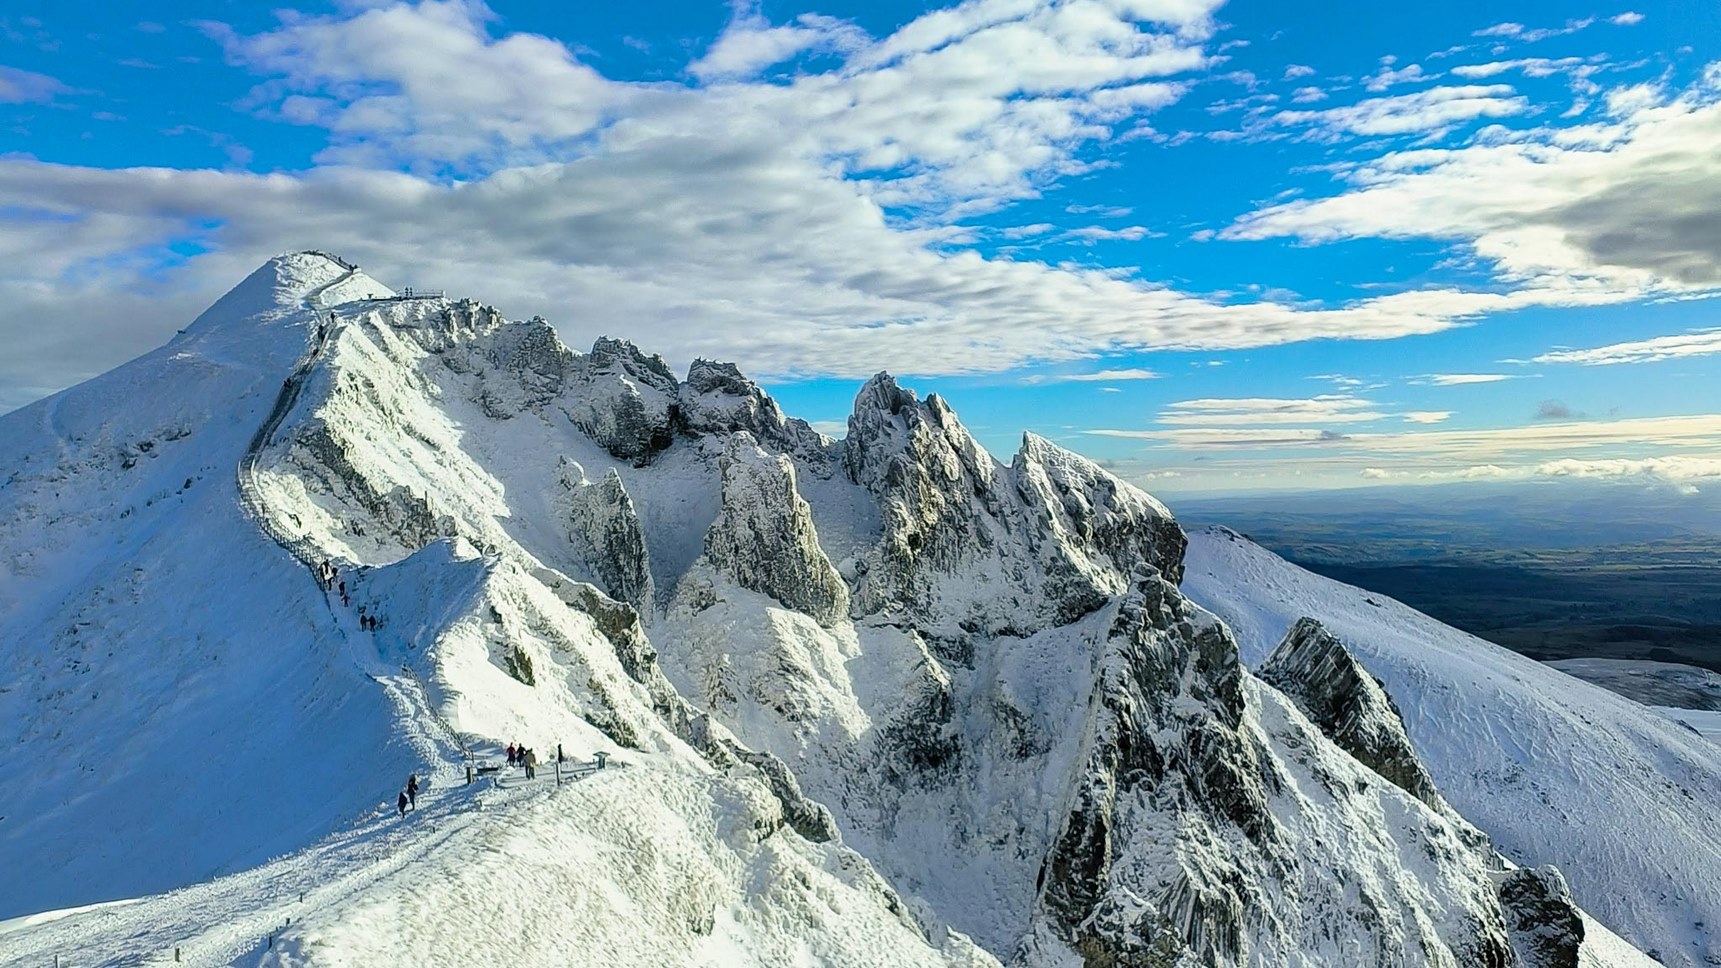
[(1218, 246)]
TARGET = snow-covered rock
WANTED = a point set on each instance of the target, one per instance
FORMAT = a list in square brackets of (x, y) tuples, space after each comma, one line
[(717, 399), (626, 400), (764, 537), (604, 529), (1312, 667)]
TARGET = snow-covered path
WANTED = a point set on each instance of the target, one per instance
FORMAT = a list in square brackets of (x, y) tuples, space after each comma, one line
[(234, 918)]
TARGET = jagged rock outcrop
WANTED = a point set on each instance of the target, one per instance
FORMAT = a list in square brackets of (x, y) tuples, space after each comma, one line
[(626, 401), (1314, 669), (717, 399), (764, 536), (604, 529), (1168, 707), (527, 366), (1547, 929), (1087, 509), (1038, 544)]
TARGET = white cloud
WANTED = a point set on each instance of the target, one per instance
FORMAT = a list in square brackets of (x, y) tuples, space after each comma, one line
[(1500, 445), (1426, 416), (1671, 469), (1387, 77), (750, 44), (1701, 343), (1101, 376), (1432, 110), (1627, 19), (1308, 95), (1295, 71), (1460, 379), (1517, 31), (1324, 409), (1616, 211)]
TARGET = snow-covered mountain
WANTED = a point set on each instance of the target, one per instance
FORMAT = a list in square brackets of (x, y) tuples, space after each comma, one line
[(882, 700)]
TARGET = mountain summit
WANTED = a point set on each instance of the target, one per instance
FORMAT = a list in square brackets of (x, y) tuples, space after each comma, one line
[(882, 700)]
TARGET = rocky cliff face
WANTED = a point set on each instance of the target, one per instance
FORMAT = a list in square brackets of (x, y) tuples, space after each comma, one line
[(1313, 668), (604, 530), (972, 549), (764, 536), (717, 399)]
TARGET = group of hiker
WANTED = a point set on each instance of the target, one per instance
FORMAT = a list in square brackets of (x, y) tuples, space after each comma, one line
[(519, 755), (408, 799), (330, 578)]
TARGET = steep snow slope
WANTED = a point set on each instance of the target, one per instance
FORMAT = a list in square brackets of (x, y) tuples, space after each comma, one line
[(1553, 769), (175, 696)]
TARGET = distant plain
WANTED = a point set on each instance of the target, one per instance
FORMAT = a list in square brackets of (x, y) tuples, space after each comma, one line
[(1554, 571)]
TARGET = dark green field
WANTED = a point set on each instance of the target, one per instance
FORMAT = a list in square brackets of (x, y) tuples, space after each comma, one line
[(1547, 579)]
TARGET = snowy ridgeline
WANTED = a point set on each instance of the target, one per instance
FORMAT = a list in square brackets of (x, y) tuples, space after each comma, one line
[(873, 701)]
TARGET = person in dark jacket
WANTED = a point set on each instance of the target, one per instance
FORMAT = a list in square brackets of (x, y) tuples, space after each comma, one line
[(412, 791), (511, 754), (401, 802)]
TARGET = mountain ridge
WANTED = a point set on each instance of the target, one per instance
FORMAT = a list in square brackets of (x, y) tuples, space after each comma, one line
[(441, 456)]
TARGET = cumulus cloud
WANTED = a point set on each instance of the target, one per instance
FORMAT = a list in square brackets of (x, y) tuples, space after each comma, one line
[(745, 218), (1619, 210), (1626, 19), (1700, 343), (751, 43)]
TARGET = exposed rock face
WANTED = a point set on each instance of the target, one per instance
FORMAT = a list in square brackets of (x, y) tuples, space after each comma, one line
[(1179, 749), (1038, 544), (604, 528), (528, 366), (1188, 810), (1546, 928), (1313, 668), (717, 399), (627, 401), (1087, 509), (764, 537)]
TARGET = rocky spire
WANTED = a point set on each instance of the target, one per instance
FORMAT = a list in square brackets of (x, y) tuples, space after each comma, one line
[(764, 537), (1315, 670), (604, 529)]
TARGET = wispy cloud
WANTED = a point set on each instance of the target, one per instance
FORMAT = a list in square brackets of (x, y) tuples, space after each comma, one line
[(1432, 110), (27, 87), (1324, 409), (1460, 379), (1099, 376), (1701, 343)]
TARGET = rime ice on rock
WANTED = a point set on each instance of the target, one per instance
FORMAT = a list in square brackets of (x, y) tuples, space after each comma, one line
[(1314, 669), (764, 537)]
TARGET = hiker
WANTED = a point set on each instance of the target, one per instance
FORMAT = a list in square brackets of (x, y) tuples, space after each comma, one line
[(412, 790), (343, 589), (401, 802), (531, 759), (510, 754)]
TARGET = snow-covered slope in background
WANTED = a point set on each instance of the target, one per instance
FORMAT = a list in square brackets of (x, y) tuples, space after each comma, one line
[(869, 696), (1554, 769)]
